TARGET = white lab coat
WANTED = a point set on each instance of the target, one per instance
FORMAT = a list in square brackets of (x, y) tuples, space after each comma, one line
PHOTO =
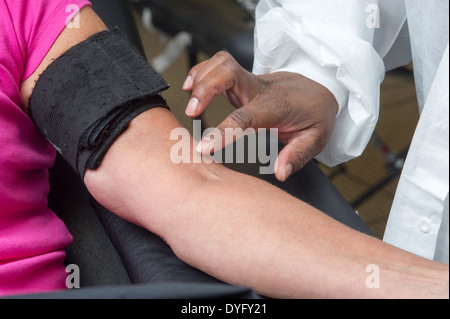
[(347, 46)]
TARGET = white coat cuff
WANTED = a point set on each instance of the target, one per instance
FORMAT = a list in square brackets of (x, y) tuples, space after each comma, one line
[(325, 76)]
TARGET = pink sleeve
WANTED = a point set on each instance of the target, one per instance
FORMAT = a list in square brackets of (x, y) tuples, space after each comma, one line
[(38, 24)]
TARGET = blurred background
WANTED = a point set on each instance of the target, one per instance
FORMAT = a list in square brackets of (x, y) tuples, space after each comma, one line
[(177, 34)]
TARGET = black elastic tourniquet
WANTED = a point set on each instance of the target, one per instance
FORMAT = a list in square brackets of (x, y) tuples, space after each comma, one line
[(85, 99)]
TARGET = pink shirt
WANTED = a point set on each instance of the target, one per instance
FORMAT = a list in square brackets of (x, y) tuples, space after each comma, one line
[(32, 238)]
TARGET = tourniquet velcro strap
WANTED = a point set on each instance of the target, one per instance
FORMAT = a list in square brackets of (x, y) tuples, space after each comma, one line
[(85, 99)]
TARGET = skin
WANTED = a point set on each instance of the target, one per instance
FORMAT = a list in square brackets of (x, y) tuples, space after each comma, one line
[(303, 111), (238, 228)]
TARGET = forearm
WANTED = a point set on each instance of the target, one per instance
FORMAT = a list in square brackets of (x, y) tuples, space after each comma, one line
[(243, 230)]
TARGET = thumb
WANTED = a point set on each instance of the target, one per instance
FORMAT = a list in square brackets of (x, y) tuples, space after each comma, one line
[(234, 127), (296, 154)]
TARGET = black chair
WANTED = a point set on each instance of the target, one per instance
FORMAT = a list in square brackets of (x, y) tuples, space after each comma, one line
[(118, 259)]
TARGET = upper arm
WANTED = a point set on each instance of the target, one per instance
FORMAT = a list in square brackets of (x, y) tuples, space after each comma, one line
[(89, 24)]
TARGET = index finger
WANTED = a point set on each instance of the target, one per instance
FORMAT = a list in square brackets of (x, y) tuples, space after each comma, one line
[(200, 70), (207, 80)]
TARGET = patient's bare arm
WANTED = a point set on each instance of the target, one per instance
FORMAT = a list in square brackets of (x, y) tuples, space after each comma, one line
[(240, 229), (245, 231)]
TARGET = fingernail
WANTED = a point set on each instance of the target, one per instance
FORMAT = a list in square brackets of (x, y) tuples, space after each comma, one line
[(205, 145), (187, 83), (192, 107), (287, 171), (198, 148)]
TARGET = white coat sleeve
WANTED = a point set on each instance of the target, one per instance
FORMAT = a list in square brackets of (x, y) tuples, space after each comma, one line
[(339, 44)]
